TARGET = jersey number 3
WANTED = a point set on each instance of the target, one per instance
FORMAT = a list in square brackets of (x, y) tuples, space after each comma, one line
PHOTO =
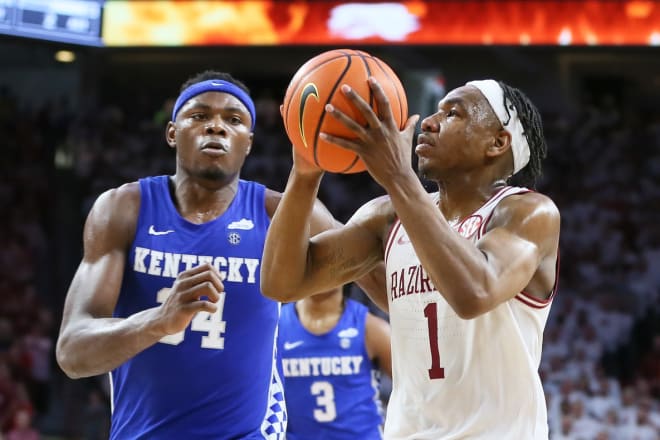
[(212, 324), (325, 399), (431, 313)]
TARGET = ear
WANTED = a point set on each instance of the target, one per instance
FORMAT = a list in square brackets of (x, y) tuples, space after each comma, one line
[(170, 134), (249, 147), (501, 143)]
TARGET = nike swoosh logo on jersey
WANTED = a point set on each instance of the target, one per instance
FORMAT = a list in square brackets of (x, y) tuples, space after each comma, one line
[(153, 231), (292, 345), (403, 240)]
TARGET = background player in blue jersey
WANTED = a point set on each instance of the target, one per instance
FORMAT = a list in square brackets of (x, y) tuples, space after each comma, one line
[(167, 295), (332, 349)]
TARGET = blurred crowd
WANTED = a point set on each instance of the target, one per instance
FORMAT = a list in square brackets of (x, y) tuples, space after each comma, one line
[(601, 360)]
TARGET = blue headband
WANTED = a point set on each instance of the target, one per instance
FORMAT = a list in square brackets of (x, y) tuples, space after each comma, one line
[(214, 85)]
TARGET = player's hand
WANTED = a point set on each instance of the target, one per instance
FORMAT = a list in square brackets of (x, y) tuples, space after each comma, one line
[(194, 290), (385, 149), (303, 166)]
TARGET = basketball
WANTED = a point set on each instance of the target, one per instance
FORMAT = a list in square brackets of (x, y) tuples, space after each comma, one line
[(317, 83)]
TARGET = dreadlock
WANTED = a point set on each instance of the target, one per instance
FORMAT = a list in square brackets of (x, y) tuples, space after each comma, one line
[(213, 74), (531, 121)]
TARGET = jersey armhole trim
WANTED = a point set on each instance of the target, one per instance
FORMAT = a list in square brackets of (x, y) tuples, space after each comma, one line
[(536, 303), (390, 237)]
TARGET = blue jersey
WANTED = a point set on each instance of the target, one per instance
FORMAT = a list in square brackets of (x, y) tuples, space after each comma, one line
[(331, 385), (218, 379)]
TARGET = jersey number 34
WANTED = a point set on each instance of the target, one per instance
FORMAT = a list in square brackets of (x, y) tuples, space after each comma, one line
[(212, 324)]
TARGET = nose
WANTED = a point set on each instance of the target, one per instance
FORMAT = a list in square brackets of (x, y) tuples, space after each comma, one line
[(215, 126), (429, 123)]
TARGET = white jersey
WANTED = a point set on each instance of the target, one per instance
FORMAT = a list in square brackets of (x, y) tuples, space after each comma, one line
[(455, 378)]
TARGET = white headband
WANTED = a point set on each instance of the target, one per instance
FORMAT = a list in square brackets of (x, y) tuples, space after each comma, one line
[(493, 92)]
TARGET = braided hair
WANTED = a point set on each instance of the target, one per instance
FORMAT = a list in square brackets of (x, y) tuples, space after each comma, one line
[(531, 121)]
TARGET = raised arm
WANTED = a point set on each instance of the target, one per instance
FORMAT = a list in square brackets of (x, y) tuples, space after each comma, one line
[(296, 262), (372, 283), (519, 250), (91, 340)]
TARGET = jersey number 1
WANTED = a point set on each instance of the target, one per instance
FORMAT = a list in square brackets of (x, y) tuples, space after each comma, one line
[(431, 313)]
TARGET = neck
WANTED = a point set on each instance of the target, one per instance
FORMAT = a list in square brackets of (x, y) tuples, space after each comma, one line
[(200, 201), (458, 200), (320, 313)]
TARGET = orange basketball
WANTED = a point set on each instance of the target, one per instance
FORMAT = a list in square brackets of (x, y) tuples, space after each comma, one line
[(317, 83)]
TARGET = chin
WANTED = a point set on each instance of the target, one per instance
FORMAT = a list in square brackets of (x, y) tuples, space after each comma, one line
[(212, 174), (423, 170), (426, 172)]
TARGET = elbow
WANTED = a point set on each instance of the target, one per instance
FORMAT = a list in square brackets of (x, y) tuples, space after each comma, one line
[(275, 292), (473, 305), (65, 359), (277, 287), (267, 288)]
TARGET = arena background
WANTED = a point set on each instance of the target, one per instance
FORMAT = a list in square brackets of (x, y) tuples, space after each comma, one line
[(70, 130)]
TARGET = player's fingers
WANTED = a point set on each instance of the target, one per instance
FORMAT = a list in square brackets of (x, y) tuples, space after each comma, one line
[(382, 101), (350, 123), (195, 270), (342, 142), (282, 110), (216, 279), (362, 106), (206, 289), (201, 306), (200, 274)]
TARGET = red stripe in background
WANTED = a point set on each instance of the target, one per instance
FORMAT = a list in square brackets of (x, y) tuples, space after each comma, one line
[(269, 22)]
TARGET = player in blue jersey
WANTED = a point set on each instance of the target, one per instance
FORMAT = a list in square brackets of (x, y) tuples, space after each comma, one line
[(167, 298), (333, 351)]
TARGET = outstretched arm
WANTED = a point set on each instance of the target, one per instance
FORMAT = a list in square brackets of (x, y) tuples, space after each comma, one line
[(91, 340)]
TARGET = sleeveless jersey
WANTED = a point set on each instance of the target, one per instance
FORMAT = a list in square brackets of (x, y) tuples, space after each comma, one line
[(457, 378), (218, 379), (331, 385)]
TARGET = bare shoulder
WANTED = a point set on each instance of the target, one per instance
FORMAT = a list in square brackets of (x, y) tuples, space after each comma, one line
[(322, 218), (527, 207), (532, 215), (123, 202), (377, 323), (113, 218), (377, 329)]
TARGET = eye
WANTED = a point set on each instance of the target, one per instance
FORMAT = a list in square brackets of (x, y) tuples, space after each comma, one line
[(452, 112), (198, 116), (235, 120)]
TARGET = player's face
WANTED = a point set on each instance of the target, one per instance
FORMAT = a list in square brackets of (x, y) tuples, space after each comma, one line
[(212, 136), (453, 139)]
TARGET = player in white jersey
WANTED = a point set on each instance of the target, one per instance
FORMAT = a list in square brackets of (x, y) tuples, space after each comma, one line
[(471, 269)]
